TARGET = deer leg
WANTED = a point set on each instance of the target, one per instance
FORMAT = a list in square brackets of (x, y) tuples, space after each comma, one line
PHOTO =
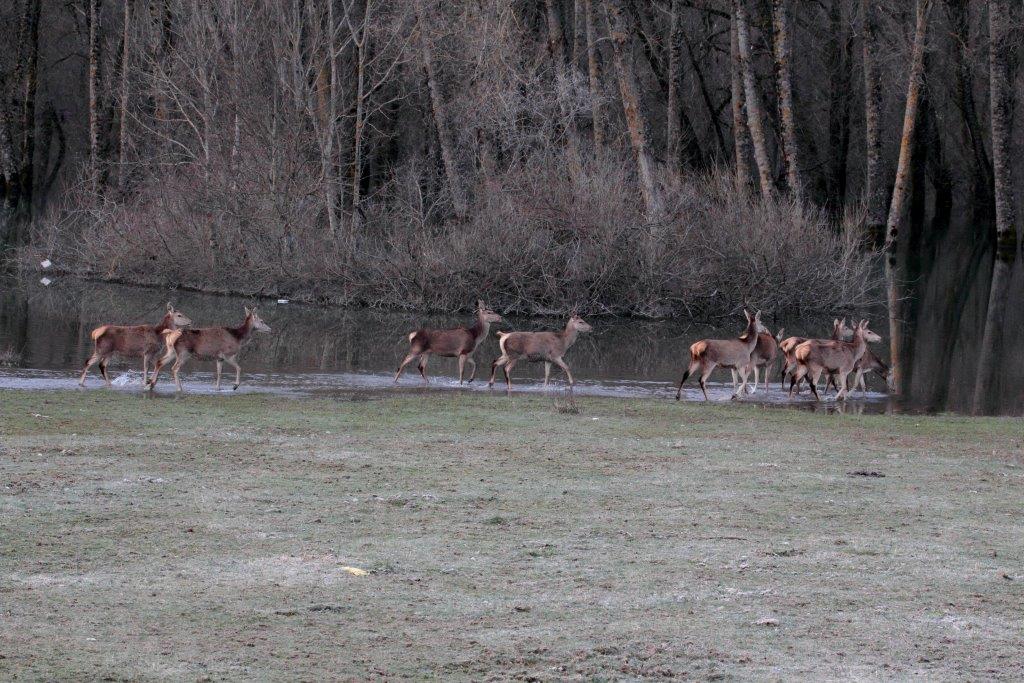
[(238, 370), (812, 380), (160, 363), (767, 371), (694, 366), (565, 368), (757, 377), (408, 359), (794, 379), (217, 373), (498, 362), (842, 393), (508, 373), (88, 364), (547, 372), (103, 370), (704, 379), (178, 362), (422, 365), (462, 366), (145, 367), (472, 372)]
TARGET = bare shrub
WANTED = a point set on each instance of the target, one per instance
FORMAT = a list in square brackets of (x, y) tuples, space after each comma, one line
[(536, 241)]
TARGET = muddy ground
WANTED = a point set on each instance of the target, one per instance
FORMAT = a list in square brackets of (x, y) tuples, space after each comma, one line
[(221, 538)]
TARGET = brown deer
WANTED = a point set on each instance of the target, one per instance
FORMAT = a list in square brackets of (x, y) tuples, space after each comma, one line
[(869, 362), (839, 357), (221, 344), (132, 341), (460, 341), (764, 355), (733, 354), (535, 347), (840, 331)]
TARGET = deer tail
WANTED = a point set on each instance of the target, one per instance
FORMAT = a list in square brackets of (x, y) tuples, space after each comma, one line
[(502, 338), (98, 332)]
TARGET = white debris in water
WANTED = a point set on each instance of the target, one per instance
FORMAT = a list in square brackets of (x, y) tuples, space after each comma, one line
[(45, 263), (127, 378), (46, 281), (282, 301)]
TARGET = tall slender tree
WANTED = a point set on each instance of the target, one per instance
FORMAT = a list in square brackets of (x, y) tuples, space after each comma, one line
[(740, 132), (874, 187), (636, 116), (783, 52), (901, 194), (755, 112), (1001, 102)]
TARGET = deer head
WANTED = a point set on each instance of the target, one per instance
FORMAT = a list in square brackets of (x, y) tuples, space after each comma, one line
[(867, 334), (178, 319), (485, 314), (255, 320), (579, 324), (756, 320)]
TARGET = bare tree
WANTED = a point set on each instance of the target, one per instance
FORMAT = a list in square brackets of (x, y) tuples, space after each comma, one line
[(901, 192), (755, 113), (784, 76), (740, 131), (874, 187), (122, 145), (94, 93), (621, 33), (1001, 101), (563, 86), (594, 75), (456, 186)]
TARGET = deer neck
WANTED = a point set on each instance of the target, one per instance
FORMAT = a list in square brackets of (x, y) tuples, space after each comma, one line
[(166, 323), (859, 346), (569, 336), (242, 332), (480, 329), (749, 337)]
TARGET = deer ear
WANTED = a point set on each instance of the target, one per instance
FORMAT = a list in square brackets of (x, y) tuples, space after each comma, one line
[(757, 316), (170, 307), (480, 304), (247, 310), (746, 314)]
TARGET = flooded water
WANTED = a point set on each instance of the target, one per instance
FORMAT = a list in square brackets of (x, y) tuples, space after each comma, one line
[(44, 335), (44, 340)]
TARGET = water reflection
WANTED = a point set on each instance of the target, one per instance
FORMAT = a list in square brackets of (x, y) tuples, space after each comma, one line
[(316, 350)]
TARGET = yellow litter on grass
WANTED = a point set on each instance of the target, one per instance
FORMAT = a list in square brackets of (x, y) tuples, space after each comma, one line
[(355, 571)]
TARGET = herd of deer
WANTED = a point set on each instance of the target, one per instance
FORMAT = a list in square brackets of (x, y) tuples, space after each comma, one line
[(753, 350)]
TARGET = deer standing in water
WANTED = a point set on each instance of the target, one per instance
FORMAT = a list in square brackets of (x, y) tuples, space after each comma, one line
[(535, 347), (869, 362), (733, 354), (764, 354), (132, 341), (840, 331), (839, 357), (221, 344), (460, 341)]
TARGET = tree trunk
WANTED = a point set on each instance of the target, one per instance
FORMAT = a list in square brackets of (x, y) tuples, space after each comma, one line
[(594, 74), (678, 127), (122, 146), (563, 87), (705, 93), (900, 195), (981, 172), (755, 115), (784, 75), (94, 94), (362, 52), (1001, 101), (740, 133), (636, 118), (874, 190), (460, 203), (838, 109)]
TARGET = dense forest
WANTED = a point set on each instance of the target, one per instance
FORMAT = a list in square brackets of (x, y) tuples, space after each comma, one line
[(640, 157)]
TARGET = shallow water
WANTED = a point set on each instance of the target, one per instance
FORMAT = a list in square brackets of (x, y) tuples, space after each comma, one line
[(331, 352)]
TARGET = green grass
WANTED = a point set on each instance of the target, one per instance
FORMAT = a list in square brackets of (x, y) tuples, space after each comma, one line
[(207, 538)]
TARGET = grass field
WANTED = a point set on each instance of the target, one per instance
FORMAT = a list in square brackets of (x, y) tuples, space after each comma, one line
[(209, 538)]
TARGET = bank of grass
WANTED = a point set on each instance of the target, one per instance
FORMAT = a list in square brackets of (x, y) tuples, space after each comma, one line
[(208, 538)]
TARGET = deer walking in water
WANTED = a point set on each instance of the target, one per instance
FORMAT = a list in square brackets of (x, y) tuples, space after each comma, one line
[(460, 341), (535, 347), (221, 344), (132, 341), (764, 354), (840, 331), (839, 357), (869, 362), (732, 354)]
